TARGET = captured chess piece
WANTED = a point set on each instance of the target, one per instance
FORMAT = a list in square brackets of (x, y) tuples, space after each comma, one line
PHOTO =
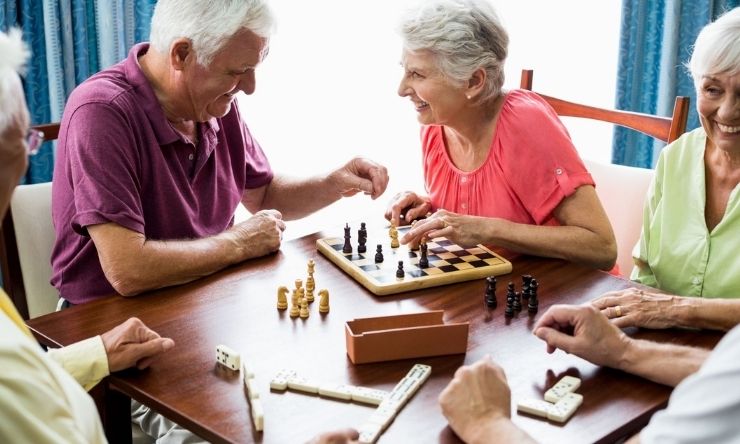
[(304, 308), (379, 254), (347, 248), (517, 305), (533, 304), (510, 295), (310, 283), (400, 273), (526, 279), (424, 260), (393, 232), (324, 301), (490, 295), (282, 297), (294, 305)]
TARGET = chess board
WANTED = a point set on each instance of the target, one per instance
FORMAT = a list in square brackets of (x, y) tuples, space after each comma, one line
[(448, 263)]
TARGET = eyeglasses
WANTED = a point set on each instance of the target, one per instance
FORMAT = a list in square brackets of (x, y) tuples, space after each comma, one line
[(34, 140)]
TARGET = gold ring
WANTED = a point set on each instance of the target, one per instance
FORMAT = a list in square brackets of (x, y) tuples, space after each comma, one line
[(618, 311), (444, 223)]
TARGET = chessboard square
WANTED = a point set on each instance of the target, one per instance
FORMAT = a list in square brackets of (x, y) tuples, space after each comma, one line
[(484, 255), (386, 278), (446, 255), (438, 263), (454, 260), (443, 242), (476, 250), (463, 266), (366, 261), (469, 258), (448, 268), (433, 271), (459, 253), (412, 254), (478, 264), (369, 267), (416, 273), (494, 261)]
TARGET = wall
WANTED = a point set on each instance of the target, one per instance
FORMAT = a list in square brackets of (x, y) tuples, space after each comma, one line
[(327, 90)]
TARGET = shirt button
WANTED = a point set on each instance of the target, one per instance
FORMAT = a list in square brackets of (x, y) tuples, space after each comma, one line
[(558, 171), (464, 206), (464, 179), (191, 156), (696, 281)]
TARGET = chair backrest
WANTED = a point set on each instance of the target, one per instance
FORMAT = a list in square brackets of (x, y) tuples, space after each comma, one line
[(26, 243), (622, 189)]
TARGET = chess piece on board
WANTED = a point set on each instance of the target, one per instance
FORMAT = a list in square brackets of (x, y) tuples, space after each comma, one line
[(361, 239), (347, 248), (324, 301), (400, 273), (490, 294), (282, 297), (393, 232), (424, 259), (310, 283), (379, 254)]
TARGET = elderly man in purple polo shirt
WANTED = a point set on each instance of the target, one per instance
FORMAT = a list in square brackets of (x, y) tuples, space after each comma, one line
[(153, 159)]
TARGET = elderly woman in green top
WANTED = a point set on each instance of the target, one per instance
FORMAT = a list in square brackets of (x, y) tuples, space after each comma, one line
[(690, 239)]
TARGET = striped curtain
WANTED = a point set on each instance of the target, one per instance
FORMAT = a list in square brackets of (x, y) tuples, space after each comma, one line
[(70, 40), (656, 40)]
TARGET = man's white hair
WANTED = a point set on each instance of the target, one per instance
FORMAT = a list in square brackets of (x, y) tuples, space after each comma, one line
[(12, 63), (208, 24)]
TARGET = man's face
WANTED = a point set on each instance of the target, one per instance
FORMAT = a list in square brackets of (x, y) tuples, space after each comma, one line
[(211, 89), (13, 158)]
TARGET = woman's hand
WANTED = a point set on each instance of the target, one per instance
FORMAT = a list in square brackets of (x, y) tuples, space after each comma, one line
[(466, 231), (637, 308), (407, 206)]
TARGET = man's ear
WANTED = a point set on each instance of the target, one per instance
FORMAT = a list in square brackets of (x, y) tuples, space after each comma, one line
[(476, 83), (181, 53)]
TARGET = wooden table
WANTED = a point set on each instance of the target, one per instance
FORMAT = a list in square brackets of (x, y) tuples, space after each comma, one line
[(236, 307)]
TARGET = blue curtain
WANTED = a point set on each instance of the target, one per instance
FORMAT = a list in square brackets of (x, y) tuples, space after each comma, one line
[(655, 42), (70, 40)]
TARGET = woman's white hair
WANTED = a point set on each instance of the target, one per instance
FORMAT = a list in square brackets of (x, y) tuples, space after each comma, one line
[(463, 35), (208, 24), (717, 48), (12, 63)]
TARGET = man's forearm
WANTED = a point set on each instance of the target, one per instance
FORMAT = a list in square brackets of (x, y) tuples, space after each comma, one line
[(296, 198), (713, 314), (666, 364)]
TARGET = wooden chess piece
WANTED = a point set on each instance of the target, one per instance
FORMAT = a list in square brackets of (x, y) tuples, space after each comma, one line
[(282, 297), (324, 303)]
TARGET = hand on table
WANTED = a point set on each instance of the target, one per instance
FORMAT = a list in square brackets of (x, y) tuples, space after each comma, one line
[(261, 234), (409, 205), (584, 332), (466, 231), (360, 175), (637, 308), (475, 399), (133, 344), (336, 437)]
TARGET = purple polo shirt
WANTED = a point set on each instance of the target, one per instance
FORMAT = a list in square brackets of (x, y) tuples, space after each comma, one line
[(119, 160)]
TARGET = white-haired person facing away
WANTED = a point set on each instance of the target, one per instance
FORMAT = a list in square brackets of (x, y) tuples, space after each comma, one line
[(690, 232), (42, 395), (499, 166), (154, 157)]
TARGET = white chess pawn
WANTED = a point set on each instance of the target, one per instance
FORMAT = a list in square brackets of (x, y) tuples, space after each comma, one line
[(324, 304), (304, 309)]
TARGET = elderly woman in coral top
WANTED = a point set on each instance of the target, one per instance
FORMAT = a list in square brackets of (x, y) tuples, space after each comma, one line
[(499, 167)]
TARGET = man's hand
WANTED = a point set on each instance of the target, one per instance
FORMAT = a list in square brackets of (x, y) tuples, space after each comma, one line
[(360, 175), (584, 332), (133, 344), (409, 205), (336, 437), (259, 235), (476, 399)]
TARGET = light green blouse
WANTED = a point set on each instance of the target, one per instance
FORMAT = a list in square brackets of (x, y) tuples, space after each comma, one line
[(676, 253)]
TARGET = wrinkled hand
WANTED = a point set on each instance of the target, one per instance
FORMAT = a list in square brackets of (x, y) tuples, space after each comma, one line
[(261, 234), (477, 396), (133, 344), (336, 437), (584, 332), (638, 308), (360, 175), (466, 231), (408, 205)]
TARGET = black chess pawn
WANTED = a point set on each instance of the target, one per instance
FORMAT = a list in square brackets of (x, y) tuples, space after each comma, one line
[(361, 240), (490, 295), (347, 248), (510, 295), (533, 304), (363, 231), (423, 260), (526, 279), (400, 273), (379, 254)]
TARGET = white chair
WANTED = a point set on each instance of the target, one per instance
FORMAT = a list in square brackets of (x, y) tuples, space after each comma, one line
[(34, 233), (622, 192)]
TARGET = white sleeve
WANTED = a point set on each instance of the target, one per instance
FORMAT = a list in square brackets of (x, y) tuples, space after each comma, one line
[(705, 407)]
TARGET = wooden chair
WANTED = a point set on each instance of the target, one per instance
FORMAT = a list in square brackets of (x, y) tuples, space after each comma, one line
[(622, 189), (26, 240)]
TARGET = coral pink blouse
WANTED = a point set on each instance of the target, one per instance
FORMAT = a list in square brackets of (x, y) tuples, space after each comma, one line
[(531, 166)]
